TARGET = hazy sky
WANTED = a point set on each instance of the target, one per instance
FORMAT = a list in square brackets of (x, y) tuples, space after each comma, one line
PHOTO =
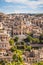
[(21, 6)]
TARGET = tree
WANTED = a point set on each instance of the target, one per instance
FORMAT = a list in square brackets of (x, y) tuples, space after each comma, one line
[(29, 48), (11, 63), (11, 41), (17, 58), (12, 49), (35, 40), (41, 38), (19, 52), (30, 34), (22, 43), (41, 41), (39, 63), (16, 39), (29, 38)]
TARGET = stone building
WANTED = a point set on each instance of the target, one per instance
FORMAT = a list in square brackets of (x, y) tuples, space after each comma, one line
[(4, 44), (21, 27)]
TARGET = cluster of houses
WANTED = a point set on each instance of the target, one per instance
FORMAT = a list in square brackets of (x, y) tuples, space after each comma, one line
[(19, 24), (33, 56), (5, 54)]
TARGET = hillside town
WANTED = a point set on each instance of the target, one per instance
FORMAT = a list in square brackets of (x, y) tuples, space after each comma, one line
[(21, 39)]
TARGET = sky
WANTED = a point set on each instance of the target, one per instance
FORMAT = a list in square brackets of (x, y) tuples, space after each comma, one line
[(21, 6)]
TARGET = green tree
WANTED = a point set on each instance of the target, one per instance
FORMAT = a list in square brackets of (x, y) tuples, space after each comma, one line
[(29, 48), (30, 34), (11, 41), (29, 38), (41, 41), (16, 39), (12, 49), (17, 58), (41, 38), (35, 40)]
